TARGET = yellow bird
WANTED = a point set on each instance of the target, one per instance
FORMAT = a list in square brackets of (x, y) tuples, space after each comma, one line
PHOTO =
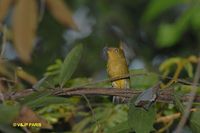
[(117, 67)]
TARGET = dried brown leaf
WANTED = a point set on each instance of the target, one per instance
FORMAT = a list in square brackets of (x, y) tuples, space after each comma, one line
[(4, 6), (27, 115), (24, 28), (61, 13)]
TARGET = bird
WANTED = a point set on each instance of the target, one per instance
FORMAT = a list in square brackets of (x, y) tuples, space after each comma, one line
[(117, 67)]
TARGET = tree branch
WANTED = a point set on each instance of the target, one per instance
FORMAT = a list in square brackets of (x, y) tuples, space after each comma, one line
[(165, 95)]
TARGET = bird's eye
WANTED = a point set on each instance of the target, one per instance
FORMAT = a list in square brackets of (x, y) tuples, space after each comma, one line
[(116, 50)]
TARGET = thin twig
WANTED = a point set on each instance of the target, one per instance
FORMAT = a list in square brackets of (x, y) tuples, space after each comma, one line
[(180, 80), (190, 100), (92, 111), (7, 80)]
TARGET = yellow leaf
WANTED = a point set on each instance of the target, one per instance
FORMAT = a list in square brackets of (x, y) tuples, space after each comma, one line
[(168, 63), (26, 76), (24, 28), (4, 6), (193, 59), (61, 13)]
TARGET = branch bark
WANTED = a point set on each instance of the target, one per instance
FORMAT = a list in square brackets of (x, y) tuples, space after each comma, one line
[(164, 95)]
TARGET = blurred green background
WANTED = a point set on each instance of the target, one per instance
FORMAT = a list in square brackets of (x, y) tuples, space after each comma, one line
[(152, 30)]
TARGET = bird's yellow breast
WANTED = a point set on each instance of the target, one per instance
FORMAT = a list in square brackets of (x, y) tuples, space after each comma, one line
[(116, 67)]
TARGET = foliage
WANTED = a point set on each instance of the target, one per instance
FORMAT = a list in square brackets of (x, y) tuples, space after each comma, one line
[(161, 34), (69, 65), (137, 117)]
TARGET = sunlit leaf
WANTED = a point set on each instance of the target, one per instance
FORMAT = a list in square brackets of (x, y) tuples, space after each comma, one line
[(54, 69), (26, 76), (4, 6), (24, 27), (70, 63), (192, 59), (61, 12), (56, 66), (189, 68), (53, 112), (140, 120), (168, 63)]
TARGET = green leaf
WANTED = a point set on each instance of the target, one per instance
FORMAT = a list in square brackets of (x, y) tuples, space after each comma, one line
[(143, 81), (120, 128), (166, 65), (195, 121), (34, 96), (40, 83), (54, 69), (56, 66), (47, 100), (168, 35), (6, 128), (140, 120), (156, 7), (50, 80), (77, 82), (70, 63), (196, 19), (8, 113)]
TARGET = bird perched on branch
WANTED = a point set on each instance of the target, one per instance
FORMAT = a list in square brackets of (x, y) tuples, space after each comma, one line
[(117, 67)]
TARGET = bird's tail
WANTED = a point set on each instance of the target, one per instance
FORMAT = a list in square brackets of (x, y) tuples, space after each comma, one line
[(121, 84), (118, 99)]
